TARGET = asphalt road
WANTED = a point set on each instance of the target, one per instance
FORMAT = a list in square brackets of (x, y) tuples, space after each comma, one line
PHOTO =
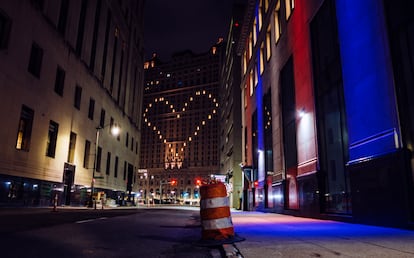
[(101, 233)]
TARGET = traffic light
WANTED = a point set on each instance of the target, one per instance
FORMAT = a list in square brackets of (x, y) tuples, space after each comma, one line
[(173, 182), (198, 182), (256, 183)]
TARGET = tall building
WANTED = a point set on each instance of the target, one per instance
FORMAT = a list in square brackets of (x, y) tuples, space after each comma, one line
[(327, 117), (70, 71), (180, 124), (230, 130)]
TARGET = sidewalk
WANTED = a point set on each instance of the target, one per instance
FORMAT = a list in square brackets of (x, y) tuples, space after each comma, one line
[(276, 235)]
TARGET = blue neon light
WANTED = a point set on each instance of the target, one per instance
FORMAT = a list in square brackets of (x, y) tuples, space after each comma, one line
[(260, 118), (368, 79)]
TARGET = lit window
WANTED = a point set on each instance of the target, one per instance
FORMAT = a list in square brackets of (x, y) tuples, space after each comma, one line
[(259, 15), (25, 128), (262, 58), (244, 62), (251, 82), (254, 31), (290, 5), (256, 77), (268, 46), (278, 26), (250, 46)]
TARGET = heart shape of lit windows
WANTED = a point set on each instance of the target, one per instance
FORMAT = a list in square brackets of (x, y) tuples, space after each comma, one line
[(178, 112)]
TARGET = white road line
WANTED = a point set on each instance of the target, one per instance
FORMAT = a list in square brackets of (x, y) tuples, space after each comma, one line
[(88, 220)]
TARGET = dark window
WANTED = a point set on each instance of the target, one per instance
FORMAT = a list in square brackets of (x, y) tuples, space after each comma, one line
[(108, 163), (120, 76), (60, 81), (98, 159), (400, 21), (111, 123), (5, 26), (330, 110), (63, 16), (102, 120), (91, 108), (105, 52), (81, 27), (35, 62), (78, 96), (268, 136), (116, 166), (114, 60), (95, 35), (52, 139), (87, 153), (25, 128), (72, 145), (125, 169), (127, 140), (132, 143), (289, 114)]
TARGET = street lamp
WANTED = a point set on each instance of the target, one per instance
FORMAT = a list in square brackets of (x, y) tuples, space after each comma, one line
[(115, 130)]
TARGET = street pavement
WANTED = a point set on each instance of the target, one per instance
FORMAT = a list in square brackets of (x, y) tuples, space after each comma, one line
[(276, 235)]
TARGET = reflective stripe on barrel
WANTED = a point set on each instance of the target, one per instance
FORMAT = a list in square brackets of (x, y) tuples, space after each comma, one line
[(217, 223), (214, 202), (215, 212)]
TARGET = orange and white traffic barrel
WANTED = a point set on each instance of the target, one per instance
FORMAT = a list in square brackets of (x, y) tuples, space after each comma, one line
[(215, 214)]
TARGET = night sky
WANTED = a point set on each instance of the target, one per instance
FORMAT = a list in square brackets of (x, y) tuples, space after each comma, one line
[(173, 26)]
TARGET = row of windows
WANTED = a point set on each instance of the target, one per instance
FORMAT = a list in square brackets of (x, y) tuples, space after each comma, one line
[(35, 62), (24, 134), (155, 180), (265, 47), (36, 54), (187, 82), (185, 164)]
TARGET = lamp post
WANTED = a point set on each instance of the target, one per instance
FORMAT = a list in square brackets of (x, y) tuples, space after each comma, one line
[(162, 182), (115, 130)]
